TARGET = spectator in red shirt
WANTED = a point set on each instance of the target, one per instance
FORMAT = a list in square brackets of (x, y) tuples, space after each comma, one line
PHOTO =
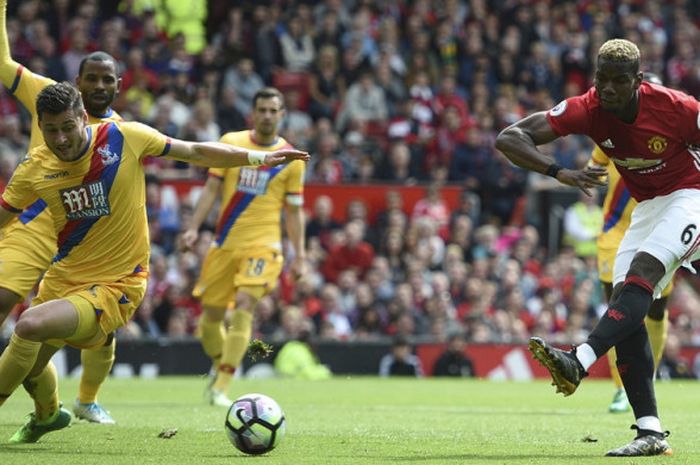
[(353, 253)]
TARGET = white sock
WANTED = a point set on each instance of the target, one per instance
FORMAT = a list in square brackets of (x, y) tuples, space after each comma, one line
[(650, 423), (586, 355)]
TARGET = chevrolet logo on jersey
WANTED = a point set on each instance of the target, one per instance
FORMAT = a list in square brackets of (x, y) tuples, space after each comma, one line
[(636, 163)]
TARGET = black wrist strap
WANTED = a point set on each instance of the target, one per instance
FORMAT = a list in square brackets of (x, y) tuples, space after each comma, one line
[(553, 170)]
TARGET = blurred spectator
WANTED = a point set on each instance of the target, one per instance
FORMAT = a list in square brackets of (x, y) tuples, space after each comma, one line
[(583, 221), (326, 84), (297, 46), (329, 31), (321, 224), (503, 186), (433, 207), (399, 166), (392, 85), (186, 18), (78, 47), (136, 71), (228, 115), (453, 361), (339, 326), (297, 358), (469, 159), (450, 133), (297, 127), (352, 155), (202, 126), (264, 40), (352, 253), (13, 142), (363, 102), (400, 361), (246, 81), (324, 167)]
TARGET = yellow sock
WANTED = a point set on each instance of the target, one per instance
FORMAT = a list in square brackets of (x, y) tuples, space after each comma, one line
[(658, 332), (15, 364), (97, 364), (212, 336), (235, 346), (612, 361), (43, 388)]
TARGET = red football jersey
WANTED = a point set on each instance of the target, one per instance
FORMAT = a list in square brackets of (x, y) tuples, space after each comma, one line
[(655, 153)]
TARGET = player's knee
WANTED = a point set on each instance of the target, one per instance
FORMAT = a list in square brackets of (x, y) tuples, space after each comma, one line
[(246, 302), (647, 267), (29, 327)]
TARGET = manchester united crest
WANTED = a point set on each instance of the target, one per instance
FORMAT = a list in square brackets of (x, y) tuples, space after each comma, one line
[(657, 144)]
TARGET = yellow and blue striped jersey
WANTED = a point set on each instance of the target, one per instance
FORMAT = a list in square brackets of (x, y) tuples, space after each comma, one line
[(97, 202), (253, 197), (26, 87)]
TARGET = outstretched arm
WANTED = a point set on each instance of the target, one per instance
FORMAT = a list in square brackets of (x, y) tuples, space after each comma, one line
[(219, 155), (519, 142), (8, 66)]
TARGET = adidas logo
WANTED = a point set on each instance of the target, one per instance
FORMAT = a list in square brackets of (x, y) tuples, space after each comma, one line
[(607, 143), (515, 366)]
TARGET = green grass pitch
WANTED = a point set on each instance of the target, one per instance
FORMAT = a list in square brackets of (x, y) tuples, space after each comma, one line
[(360, 420)]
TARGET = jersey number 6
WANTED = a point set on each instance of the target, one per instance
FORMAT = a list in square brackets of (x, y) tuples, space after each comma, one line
[(687, 234)]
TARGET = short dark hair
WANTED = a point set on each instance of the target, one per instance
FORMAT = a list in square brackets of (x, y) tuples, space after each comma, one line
[(98, 56), (57, 98), (268, 92)]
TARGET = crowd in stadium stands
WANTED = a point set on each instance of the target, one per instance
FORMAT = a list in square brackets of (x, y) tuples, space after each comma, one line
[(400, 92)]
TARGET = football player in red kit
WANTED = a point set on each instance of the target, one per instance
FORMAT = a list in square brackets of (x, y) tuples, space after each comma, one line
[(649, 133)]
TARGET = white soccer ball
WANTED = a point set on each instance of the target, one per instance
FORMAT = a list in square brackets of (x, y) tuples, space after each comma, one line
[(255, 424)]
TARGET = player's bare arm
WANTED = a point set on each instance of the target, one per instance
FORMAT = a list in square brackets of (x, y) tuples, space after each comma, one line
[(8, 66), (207, 198), (219, 155), (519, 142)]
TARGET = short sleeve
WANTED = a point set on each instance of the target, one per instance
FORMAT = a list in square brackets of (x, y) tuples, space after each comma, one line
[(27, 86), (295, 183), (571, 116), (20, 192), (144, 140)]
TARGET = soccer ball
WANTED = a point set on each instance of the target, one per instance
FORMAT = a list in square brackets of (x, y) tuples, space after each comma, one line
[(255, 424)]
